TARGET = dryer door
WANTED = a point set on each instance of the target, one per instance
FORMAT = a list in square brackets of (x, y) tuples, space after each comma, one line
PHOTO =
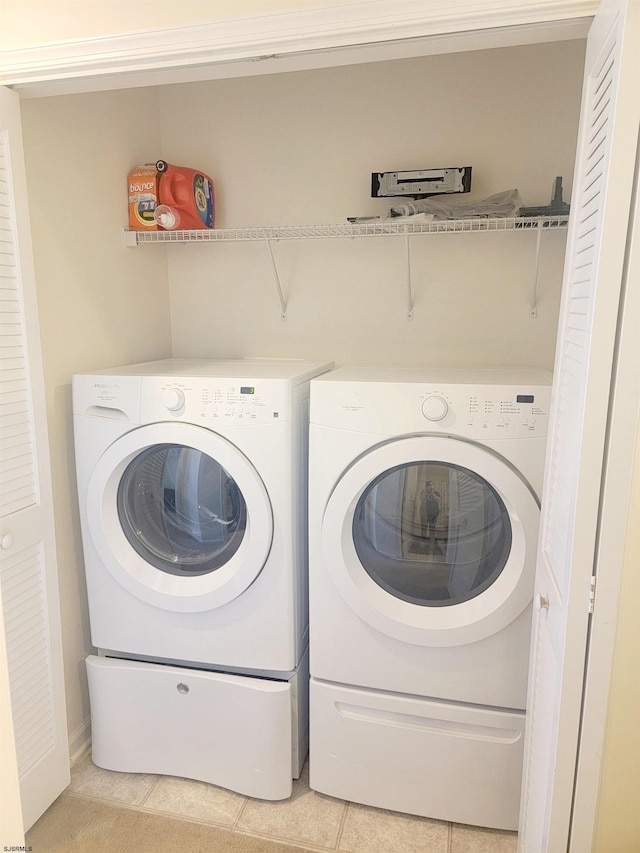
[(432, 540), (179, 516)]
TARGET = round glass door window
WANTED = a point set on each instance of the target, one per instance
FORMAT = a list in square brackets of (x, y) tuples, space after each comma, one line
[(432, 533), (181, 510)]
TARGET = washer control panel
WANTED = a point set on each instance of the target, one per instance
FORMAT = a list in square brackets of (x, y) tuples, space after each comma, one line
[(173, 399), (435, 408), (212, 402)]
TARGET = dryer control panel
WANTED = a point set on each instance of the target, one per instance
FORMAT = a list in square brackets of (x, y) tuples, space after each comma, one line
[(479, 412), (211, 402), (502, 412)]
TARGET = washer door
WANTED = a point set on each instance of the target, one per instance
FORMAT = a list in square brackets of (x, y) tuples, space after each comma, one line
[(179, 516), (432, 540)]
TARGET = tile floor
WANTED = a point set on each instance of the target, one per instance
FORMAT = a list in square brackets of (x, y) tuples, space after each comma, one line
[(307, 821)]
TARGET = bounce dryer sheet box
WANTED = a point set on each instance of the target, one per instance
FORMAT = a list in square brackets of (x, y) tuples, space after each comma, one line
[(143, 198)]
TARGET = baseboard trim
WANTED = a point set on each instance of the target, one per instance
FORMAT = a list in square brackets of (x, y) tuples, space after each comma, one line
[(79, 741)]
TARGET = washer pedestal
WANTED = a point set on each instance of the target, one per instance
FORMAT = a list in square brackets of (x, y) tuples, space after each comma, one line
[(230, 730)]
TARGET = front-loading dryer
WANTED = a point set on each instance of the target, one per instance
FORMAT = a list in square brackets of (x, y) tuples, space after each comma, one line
[(192, 493), (424, 514)]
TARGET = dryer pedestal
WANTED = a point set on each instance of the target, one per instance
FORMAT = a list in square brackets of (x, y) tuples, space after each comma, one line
[(238, 732), (443, 760)]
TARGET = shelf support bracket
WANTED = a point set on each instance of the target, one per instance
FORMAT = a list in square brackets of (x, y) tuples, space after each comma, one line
[(407, 250), (533, 308), (276, 277)]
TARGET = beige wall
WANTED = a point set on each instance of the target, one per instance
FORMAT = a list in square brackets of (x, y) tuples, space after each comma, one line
[(100, 304), (300, 148)]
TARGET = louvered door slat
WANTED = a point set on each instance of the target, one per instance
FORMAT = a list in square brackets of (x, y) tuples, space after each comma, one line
[(12, 378), (24, 691), (9, 350), (18, 445), (13, 413), (15, 432), (27, 658), (17, 467), (16, 396), (11, 318), (15, 499), (10, 335)]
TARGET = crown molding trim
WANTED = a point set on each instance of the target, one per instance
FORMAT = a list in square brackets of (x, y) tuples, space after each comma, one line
[(363, 25)]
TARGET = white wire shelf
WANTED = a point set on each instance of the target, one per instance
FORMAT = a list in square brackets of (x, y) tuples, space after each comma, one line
[(537, 225), (375, 228)]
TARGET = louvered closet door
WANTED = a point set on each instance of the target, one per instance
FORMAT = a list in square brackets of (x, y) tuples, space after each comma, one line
[(583, 374), (28, 576)]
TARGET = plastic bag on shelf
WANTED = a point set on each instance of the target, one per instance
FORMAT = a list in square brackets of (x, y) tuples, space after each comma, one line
[(500, 205)]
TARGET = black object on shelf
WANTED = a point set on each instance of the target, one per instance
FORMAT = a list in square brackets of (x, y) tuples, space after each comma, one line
[(421, 183), (556, 207)]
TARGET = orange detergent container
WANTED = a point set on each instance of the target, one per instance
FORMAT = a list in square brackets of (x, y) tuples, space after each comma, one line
[(143, 198), (186, 198)]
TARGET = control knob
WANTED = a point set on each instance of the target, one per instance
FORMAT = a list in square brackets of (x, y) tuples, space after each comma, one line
[(435, 408), (173, 399)]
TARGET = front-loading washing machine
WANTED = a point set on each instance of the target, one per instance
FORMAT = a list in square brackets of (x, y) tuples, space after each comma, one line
[(192, 484), (424, 514)]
